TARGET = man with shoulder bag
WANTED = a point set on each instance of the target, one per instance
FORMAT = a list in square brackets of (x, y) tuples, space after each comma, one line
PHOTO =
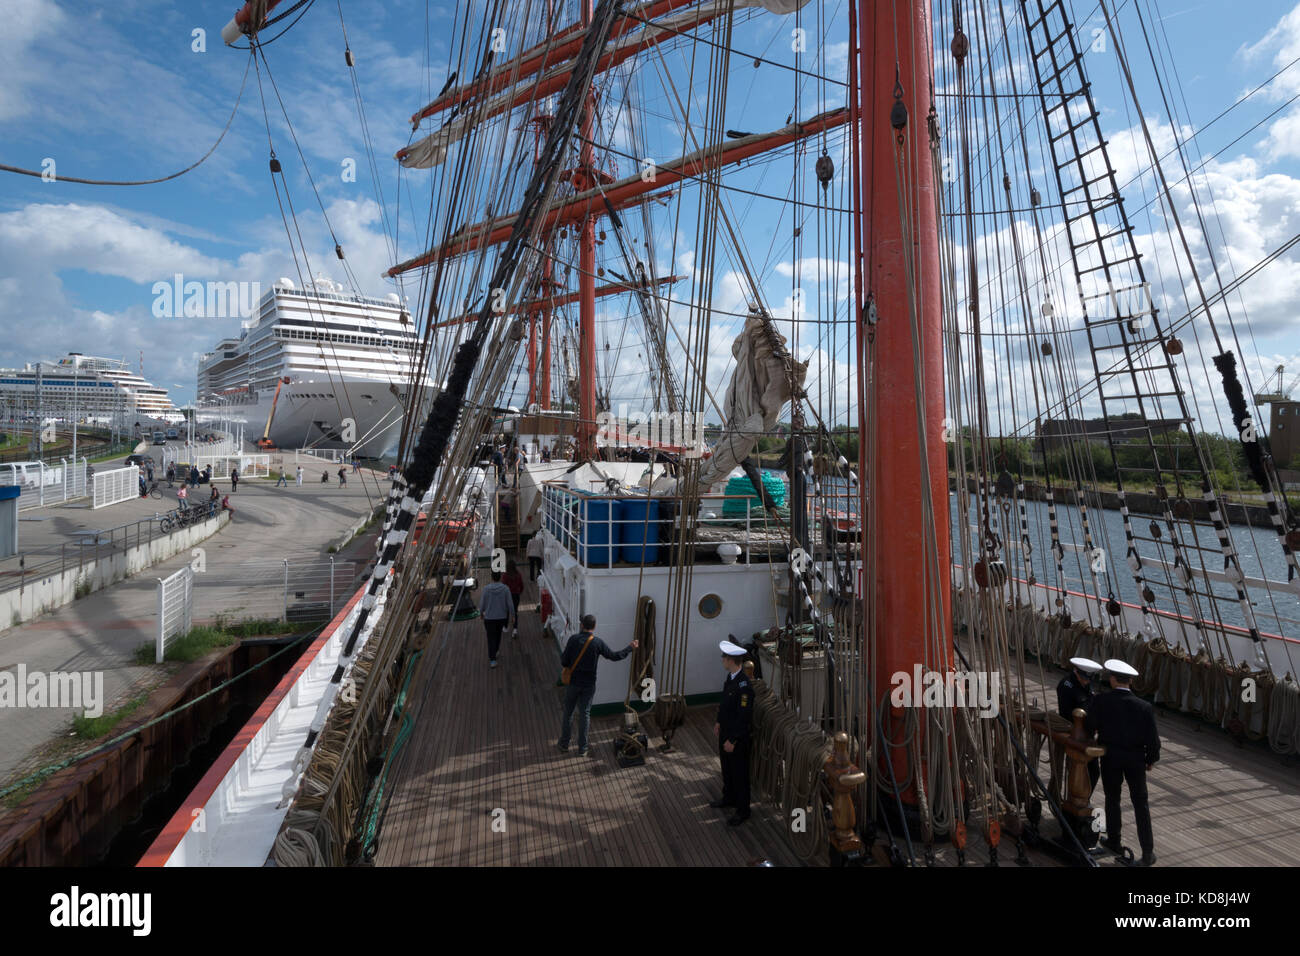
[(581, 655)]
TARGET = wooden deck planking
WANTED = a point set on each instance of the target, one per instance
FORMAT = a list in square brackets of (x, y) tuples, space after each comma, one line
[(486, 740)]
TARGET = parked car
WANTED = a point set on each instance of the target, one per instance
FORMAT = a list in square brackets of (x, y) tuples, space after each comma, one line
[(159, 438)]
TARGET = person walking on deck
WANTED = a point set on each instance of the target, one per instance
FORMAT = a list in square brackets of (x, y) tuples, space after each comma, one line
[(495, 605), (282, 480), (536, 550), (299, 476), (582, 653)]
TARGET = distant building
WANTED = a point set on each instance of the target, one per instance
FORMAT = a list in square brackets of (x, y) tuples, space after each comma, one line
[(1284, 433), (1058, 432)]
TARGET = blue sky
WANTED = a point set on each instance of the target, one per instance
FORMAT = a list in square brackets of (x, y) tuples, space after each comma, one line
[(117, 91)]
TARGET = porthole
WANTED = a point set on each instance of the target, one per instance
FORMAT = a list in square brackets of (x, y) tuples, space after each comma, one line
[(710, 606)]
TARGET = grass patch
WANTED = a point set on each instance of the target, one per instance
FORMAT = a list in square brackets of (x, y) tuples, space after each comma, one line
[(92, 728), (82, 589), (198, 642)]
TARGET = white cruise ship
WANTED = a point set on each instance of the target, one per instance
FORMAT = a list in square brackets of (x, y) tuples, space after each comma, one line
[(87, 387), (342, 364)]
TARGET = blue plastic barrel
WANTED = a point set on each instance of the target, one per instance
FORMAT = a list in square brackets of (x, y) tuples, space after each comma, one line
[(639, 534), (593, 546)]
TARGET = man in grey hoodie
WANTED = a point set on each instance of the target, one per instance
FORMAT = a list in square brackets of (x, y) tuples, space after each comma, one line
[(495, 604)]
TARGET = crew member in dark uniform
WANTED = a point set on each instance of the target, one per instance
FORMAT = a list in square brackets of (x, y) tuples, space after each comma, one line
[(735, 716), (1125, 725), (1075, 692)]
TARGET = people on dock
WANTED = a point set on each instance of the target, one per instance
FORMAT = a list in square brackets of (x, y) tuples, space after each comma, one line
[(735, 717), (325, 477), (194, 475), (1075, 691), (582, 653), (495, 605), (1125, 725), (282, 480), (300, 476), (535, 551), (499, 462), (183, 497), (234, 478), (513, 580), (171, 474), (343, 477), (356, 466)]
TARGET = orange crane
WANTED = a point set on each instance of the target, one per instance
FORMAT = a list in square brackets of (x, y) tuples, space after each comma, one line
[(265, 442)]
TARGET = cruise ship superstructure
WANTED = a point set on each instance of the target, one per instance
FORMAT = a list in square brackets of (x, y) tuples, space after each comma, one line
[(342, 364), (87, 387)]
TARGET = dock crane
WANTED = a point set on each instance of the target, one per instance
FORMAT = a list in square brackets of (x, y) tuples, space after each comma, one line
[(1283, 391), (265, 442)]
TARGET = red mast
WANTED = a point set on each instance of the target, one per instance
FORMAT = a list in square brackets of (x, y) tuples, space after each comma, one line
[(586, 179), (895, 66)]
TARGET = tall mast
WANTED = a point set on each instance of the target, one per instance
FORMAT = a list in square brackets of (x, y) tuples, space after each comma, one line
[(586, 179), (895, 65)]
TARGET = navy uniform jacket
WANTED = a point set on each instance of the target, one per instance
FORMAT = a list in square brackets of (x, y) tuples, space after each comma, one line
[(1125, 724), (1070, 694), (736, 711)]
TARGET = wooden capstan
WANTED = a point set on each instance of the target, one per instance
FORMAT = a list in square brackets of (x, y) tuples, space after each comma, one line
[(1078, 750)]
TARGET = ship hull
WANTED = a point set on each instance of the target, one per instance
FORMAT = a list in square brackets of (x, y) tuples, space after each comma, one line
[(315, 414)]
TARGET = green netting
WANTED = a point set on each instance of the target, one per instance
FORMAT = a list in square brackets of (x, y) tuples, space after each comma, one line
[(741, 485)]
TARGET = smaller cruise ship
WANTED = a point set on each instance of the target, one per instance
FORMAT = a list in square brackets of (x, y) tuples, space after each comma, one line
[(87, 387)]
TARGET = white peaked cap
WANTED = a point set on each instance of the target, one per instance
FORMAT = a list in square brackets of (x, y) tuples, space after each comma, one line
[(1085, 664), (1119, 667), (732, 650)]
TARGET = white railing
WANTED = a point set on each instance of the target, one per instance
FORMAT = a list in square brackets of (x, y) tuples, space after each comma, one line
[(175, 608), (178, 453), (44, 484), (593, 530), (115, 485), (327, 454), (250, 466)]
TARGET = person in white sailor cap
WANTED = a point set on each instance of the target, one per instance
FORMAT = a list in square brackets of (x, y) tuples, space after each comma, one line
[(1125, 725), (735, 717), (1075, 691)]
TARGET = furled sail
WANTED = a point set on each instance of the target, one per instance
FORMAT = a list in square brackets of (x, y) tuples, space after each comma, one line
[(760, 387)]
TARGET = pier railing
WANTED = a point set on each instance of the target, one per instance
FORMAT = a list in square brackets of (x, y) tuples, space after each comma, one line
[(83, 548), (44, 484)]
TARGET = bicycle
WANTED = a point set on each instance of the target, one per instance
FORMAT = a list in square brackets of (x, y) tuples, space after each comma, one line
[(155, 491), (166, 522)]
